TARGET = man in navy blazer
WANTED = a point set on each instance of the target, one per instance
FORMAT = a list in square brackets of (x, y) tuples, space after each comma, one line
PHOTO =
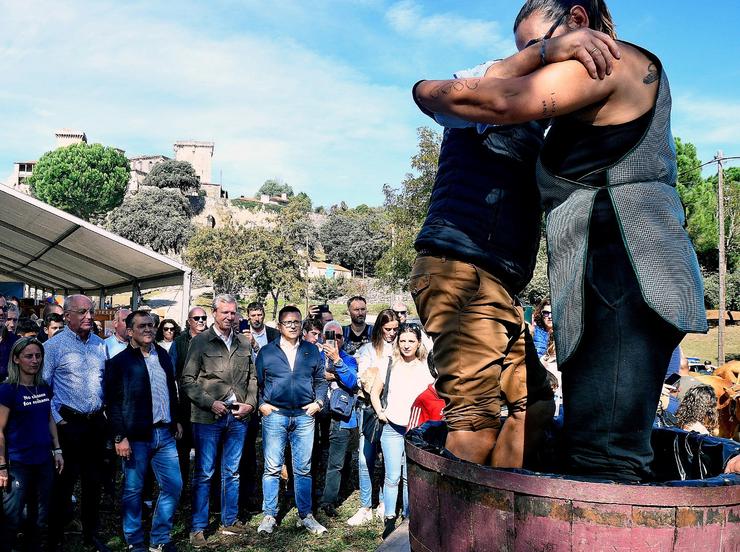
[(141, 405), (290, 377)]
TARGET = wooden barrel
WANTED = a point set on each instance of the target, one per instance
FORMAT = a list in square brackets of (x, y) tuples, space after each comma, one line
[(459, 506)]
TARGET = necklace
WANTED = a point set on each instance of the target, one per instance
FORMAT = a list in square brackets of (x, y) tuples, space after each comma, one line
[(35, 390)]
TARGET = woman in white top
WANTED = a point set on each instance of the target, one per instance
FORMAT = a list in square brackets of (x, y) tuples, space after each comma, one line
[(406, 378), (166, 333), (370, 358)]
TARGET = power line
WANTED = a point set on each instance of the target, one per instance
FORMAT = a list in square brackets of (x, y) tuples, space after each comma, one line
[(715, 160)]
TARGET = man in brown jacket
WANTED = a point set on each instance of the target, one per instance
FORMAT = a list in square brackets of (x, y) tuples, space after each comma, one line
[(220, 379)]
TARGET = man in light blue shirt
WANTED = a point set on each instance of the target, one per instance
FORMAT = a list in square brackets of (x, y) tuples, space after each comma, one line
[(117, 342), (74, 365)]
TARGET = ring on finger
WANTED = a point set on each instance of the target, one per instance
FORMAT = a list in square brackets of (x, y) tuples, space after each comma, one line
[(594, 50)]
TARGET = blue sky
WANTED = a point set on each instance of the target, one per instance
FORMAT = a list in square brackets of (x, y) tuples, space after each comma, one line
[(316, 93)]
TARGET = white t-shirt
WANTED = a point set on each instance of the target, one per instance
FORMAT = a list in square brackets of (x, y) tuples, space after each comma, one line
[(368, 358), (408, 381)]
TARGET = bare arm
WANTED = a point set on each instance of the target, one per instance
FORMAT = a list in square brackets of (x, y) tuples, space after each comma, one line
[(58, 458), (595, 50), (554, 90), (375, 398)]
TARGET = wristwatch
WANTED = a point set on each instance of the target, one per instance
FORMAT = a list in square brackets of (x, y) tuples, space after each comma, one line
[(320, 403), (118, 438)]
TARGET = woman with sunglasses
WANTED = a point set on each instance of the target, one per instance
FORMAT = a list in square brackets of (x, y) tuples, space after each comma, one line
[(624, 279), (29, 447), (370, 358), (542, 319), (167, 331), (393, 393)]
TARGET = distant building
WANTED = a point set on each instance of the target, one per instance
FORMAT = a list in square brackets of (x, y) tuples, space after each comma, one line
[(199, 155), (21, 171), (67, 137), (317, 269), (140, 167)]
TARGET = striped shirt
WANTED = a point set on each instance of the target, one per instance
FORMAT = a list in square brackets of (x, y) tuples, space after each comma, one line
[(158, 383), (74, 369)]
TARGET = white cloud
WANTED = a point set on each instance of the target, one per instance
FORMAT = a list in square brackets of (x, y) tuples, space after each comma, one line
[(138, 81), (407, 18), (710, 120)]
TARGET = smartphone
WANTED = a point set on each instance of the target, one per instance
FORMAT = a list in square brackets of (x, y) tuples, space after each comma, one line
[(243, 325), (232, 406), (672, 379), (323, 308)]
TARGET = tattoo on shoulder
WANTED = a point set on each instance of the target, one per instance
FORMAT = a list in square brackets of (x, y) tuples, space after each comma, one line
[(448, 87), (652, 75), (549, 106)]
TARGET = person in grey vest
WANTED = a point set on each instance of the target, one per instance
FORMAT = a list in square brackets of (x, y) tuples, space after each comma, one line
[(624, 277)]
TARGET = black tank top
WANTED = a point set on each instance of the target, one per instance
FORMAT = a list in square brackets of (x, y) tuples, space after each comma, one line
[(582, 152)]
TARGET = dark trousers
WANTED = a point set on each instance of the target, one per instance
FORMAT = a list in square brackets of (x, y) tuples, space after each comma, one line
[(339, 439), (83, 442), (248, 476), (29, 489), (612, 383), (184, 446)]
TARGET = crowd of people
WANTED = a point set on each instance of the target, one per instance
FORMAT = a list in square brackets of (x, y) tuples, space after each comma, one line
[(150, 397)]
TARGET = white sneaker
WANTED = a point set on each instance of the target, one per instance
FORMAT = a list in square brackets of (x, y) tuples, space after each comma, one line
[(310, 523), (267, 525), (363, 515), (380, 511)]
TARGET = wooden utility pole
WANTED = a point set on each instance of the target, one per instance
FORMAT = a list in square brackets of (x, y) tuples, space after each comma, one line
[(722, 260)]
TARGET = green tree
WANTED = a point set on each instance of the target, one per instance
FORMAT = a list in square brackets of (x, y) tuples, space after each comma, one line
[(325, 289), (355, 238), (179, 175), (275, 187), (237, 258), (689, 170), (539, 286), (296, 224), (158, 218), (406, 207), (86, 180)]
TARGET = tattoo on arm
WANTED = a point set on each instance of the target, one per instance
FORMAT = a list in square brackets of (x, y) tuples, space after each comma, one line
[(549, 106), (449, 87), (652, 75)]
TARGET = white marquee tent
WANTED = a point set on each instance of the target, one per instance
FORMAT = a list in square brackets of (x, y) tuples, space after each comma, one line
[(51, 250)]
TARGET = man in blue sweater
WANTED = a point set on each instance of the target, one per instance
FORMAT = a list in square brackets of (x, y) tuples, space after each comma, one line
[(290, 377)]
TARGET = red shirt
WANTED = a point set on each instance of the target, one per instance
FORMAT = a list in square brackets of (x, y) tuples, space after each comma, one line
[(427, 407)]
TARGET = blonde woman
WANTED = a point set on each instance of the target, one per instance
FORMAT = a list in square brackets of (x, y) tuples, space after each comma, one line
[(29, 445), (394, 391)]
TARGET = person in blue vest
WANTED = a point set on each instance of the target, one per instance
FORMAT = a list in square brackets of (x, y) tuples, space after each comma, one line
[(292, 389)]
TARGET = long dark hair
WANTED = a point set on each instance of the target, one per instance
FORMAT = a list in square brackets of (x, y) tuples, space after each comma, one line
[(537, 315), (376, 338), (160, 330), (599, 17)]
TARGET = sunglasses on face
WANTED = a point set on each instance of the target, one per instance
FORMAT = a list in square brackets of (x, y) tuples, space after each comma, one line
[(168, 329), (548, 35), (401, 313), (547, 314), (199, 318)]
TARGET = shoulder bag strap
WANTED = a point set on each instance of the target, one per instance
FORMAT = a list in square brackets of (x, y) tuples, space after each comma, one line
[(384, 394)]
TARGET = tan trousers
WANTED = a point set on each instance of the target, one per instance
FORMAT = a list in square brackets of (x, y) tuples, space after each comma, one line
[(482, 347)]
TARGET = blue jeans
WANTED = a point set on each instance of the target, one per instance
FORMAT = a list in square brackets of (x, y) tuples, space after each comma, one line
[(228, 433), (394, 455), (367, 456), (29, 490), (161, 453), (277, 429)]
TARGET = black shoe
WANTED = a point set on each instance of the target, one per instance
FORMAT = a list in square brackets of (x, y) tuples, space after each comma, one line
[(390, 526), (329, 510)]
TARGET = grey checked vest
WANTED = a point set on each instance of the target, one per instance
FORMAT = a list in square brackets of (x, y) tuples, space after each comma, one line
[(641, 187)]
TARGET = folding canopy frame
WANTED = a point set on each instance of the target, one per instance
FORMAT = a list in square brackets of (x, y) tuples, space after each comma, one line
[(54, 251)]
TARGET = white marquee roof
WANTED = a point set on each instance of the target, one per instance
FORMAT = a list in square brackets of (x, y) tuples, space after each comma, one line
[(48, 248)]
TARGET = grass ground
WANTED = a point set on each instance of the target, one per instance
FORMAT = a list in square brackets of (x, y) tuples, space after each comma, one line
[(705, 346), (286, 537)]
